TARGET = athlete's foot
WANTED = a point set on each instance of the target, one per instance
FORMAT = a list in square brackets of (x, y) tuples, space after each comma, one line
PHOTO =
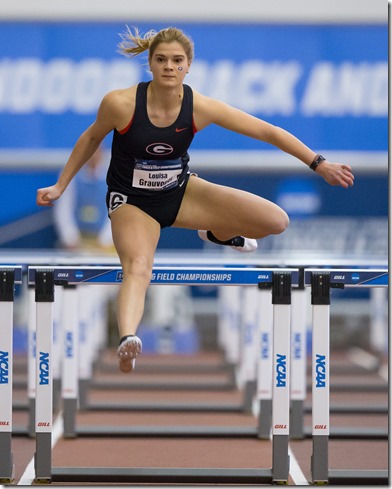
[(238, 243), (129, 348)]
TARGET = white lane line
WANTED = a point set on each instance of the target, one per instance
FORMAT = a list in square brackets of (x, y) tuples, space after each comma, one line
[(28, 476), (383, 372), (295, 471), (363, 358)]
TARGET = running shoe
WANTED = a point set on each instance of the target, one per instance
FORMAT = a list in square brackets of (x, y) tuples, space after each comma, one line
[(127, 352), (238, 243)]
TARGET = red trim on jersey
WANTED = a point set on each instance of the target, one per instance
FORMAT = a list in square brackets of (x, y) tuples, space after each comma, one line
[(194, 126), (123, 131)]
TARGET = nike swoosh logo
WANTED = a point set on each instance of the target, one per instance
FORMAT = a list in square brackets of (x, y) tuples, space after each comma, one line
[(182, 129)]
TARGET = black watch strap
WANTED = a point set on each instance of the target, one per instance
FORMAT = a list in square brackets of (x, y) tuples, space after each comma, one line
[(318, 159)]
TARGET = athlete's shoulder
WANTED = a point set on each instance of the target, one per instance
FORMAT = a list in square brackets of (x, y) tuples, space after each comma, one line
[(119, 105), (120, 95)]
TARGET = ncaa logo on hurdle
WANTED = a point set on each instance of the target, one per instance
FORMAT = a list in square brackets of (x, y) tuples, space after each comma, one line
[(320, 370), (281, 368), (4, 367), (43, 368)]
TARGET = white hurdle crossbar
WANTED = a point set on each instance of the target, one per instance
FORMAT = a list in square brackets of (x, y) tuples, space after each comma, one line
[(321, 281), (280, 280), (9, 276)]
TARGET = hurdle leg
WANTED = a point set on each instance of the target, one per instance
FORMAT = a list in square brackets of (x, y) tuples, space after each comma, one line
[(6, 367), (85, 349), (57, 348), (264, 363), (70, 359), (44, 296), (299, 309), (320, 375), (379, 321), (230, 307), (31, 358), (281, 299), (249, 346)]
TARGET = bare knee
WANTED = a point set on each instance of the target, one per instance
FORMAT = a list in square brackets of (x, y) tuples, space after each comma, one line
[(138, 267), (280, 222)]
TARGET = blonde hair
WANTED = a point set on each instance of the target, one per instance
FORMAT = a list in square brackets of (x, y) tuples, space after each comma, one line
[(133, 43)]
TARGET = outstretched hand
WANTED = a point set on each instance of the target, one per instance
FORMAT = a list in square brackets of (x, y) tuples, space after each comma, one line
[(45, 196), (336, 174)]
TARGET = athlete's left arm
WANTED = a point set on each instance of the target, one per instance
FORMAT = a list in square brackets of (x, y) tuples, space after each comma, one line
[(211, 111)]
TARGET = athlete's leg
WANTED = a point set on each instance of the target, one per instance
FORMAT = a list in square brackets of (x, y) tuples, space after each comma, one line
[(135, 237), (229, 212)]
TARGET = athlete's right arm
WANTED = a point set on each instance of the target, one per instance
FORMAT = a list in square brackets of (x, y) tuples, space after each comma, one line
[(111, 114)]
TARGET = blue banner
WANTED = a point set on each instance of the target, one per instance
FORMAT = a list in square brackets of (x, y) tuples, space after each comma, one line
[(168, 275), (328, 84)]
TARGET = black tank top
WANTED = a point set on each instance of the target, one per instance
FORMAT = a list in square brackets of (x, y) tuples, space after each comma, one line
[(147, 159)]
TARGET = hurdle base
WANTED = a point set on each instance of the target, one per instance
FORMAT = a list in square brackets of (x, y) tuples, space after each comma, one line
[(249, 394), (56, 395), (161, 475), (6, 459), (265, 419), (70, 407), (280, 459), (297, 420), (319, 459), (31, 420), (168, 431), (43, 458), (356, 477), (83, 389), (176, 407), (168, 386)]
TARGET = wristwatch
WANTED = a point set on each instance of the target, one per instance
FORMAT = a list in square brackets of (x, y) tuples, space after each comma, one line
[(318, 159)]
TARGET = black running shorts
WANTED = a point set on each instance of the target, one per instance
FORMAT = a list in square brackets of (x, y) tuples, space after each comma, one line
[(162, 206)]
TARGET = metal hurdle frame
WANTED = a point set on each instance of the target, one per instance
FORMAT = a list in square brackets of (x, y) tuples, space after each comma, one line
[(45, 279), (297, 429), (9, 276), (321, 282)]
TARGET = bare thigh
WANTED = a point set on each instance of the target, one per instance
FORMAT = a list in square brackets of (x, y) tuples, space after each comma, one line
[(135, 236), (229, 211)]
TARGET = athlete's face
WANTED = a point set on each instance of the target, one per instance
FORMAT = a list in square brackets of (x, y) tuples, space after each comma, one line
[(169, 63)]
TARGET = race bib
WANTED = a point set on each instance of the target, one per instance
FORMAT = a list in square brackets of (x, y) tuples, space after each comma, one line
[(156, 175)]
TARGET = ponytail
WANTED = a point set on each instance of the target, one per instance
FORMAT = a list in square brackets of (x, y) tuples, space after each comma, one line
[(133, 43)]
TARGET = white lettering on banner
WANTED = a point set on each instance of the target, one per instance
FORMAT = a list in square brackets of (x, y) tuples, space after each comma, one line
[(190, 277), (253, 85), (260, 87), (347, 89), (58, 85), (267, 87)]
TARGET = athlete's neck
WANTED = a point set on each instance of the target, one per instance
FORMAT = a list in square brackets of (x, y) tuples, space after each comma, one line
[(168, 97)]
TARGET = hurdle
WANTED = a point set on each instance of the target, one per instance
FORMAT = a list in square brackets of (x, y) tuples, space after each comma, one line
[(280, 282), (321, 282), (9, 276), (297, 361), (291, 260)]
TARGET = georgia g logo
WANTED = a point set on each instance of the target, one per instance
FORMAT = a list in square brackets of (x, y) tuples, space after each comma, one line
[(159, 149)]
